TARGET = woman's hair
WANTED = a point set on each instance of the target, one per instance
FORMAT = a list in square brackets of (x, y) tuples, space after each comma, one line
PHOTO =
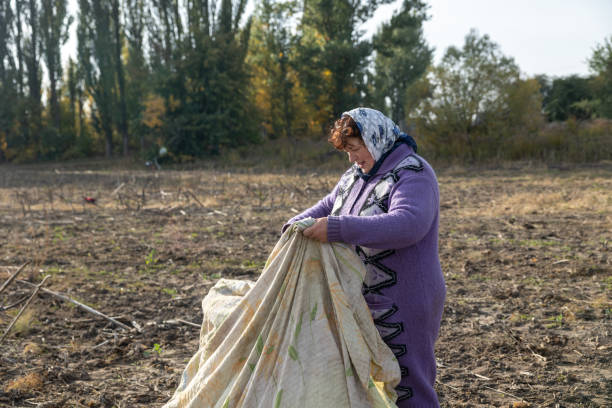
[(342, 129)]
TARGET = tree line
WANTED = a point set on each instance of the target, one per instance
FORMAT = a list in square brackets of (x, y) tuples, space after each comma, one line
[(200, 76)]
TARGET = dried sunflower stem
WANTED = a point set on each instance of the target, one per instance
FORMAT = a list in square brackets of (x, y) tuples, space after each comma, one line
[(79, 304), (13, 276), (8, 329)]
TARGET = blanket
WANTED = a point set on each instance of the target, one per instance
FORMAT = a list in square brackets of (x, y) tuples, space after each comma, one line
[(301, 336)]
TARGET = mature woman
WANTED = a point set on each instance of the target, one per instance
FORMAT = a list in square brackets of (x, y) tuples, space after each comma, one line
[(387, 206)]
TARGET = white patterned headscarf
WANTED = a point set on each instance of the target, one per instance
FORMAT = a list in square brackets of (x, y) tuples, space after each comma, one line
[(378, 132)]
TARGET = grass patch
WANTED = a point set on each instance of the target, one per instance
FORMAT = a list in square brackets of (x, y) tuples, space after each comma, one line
[(555, 321), (169, 291), (535, 243), (520, 317), (26, 322)]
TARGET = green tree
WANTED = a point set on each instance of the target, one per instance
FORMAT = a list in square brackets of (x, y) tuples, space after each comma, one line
[(137, 73), (7, 73), (473, 92), (332, 56), (54, 25), (203, 78), (122, 120), (6, 58), (31, 53), (272, 48), (72, 84), (402, 56), (600, 64), (566, 98), (19, 4), (97, 59)]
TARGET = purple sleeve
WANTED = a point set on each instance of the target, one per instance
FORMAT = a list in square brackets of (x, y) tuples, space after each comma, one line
[(321, 209), (413, 206)]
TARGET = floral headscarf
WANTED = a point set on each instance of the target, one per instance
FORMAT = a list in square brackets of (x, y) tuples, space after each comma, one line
[(377, 131)]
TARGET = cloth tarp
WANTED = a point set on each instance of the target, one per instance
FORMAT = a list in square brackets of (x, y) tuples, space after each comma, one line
[(301, 336)]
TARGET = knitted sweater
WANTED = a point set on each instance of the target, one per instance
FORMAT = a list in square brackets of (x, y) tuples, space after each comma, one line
[(392, 220)]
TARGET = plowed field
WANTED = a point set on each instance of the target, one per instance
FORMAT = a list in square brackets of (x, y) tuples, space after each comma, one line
[(526, 254)]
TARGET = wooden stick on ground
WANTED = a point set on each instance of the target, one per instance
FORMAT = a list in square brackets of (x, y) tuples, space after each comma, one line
[(79, 304), (505, 393), (189, 323), (38, 287), (190, 193), (13, 276), (17, 303), (175, 321)]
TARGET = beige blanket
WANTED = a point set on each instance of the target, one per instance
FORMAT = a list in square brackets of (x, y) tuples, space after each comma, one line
[(302, 336)]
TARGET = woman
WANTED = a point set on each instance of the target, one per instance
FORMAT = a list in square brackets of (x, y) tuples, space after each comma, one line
[(387, 206)]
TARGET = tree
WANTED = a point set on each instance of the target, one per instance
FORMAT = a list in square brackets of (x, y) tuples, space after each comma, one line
[(32, 62), (600, 64), (332, 56), (7, 72), (6, 59), (203, 78), (402, 56), (54, 25), (564, 98), (97, 58), (137, 73), (122, 122), (19, 4), (72, 83), (270, 60), (473, 92)]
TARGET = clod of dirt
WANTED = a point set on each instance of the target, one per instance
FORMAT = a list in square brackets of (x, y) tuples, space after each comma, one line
[(69, 376), (470, 267), (107, 399)]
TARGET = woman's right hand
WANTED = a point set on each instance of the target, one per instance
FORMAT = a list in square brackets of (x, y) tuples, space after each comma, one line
[(318, 231)]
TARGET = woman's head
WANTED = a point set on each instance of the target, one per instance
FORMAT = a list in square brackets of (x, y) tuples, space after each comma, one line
[(346, 136)]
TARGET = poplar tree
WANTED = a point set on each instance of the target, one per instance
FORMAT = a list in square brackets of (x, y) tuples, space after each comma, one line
[(54, 25), (31, 53), (7, 72), (122, 120), (402, 56), (272, 56), (137, 73), (202, 75), (96, 51), (333, 56)]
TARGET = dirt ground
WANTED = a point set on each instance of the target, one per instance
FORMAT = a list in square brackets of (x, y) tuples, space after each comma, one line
[(525, 252)]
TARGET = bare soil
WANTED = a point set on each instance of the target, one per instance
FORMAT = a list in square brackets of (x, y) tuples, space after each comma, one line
[(526, 255)]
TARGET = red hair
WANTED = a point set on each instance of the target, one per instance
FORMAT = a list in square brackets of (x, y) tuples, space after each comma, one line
[(342, 129)]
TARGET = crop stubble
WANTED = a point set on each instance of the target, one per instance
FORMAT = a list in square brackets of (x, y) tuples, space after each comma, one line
[(526, 255)]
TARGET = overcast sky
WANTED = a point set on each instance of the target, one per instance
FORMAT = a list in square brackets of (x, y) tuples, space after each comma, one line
[(553, 37)]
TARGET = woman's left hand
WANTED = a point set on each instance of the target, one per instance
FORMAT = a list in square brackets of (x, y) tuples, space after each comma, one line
[(318, 231)]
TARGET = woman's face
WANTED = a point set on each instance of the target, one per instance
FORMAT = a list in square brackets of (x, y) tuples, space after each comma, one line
[(358, 153)]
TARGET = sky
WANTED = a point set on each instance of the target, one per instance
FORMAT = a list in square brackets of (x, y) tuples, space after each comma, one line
[(552, 37)]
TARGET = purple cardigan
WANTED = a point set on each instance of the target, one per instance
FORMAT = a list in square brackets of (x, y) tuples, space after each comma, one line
[(410, 294)]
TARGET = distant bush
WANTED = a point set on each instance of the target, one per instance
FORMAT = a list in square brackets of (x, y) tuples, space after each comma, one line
[(554, 142), (573, 141)]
